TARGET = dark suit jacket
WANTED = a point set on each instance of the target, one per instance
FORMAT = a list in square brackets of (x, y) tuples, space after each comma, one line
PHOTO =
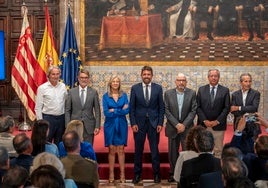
[(251, 105), (188, 111), (138, 108), (220, 109), (193, 168), (89, 113)]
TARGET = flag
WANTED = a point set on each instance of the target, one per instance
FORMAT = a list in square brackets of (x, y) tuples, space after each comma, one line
[(47, 55), (70, 61), (22, 73)]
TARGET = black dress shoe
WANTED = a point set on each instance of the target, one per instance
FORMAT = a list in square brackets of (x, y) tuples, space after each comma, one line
[(136, 179), (260, 37), (195, 37), (157, 178), (210, 37), (171, 179), (250, 38)]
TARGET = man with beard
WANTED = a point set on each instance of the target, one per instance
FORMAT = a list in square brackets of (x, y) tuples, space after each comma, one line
[(146, 119)]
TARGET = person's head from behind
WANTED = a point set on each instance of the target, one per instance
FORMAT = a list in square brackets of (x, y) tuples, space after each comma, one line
[(230, 151), (232, 168), (261, 146), (7, 124), (39, 136), (15, 177), (47, 176), (46, 158), (191, 136), (204, 141), (241, 182), (71, 142), (4, 158), (22, 144), (76, 125)]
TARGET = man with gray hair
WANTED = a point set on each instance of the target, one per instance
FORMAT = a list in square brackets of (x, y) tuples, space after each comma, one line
[(7, 125), (50, 104), (180, 110), (4, 162)]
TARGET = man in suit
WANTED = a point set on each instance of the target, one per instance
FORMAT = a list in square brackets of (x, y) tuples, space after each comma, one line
[(213, 105), (180, 110), (83, 104), (244, 100), (205, 163), (146, 117)]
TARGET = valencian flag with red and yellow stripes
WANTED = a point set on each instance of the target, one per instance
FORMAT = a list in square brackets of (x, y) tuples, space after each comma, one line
[(23, 69), (70, 61), (47, 55)]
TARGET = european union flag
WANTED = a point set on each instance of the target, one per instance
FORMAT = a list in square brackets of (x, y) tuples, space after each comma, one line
[(70, 61)]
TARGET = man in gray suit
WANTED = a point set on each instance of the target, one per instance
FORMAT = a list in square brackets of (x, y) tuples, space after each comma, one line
[(180, 110), (83, 104)]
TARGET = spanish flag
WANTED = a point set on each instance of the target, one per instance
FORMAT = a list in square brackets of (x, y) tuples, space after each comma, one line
[(47, 54)]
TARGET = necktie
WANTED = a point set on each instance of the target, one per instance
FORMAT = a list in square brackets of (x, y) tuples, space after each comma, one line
[(82, 97), (147, 94), (212, 95)]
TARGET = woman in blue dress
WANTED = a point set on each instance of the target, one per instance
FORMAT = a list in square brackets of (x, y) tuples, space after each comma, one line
[(115, 108)]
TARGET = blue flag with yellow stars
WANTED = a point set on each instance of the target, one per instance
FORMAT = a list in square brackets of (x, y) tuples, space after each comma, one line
[(70, 61)]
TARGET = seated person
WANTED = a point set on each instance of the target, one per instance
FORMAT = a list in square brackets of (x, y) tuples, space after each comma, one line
[(7, 125), (192, 169), (16, 176), (24, 148), (4, 162), (39, 139), (86, 149), (46, 176), (81, 170), (180, 20), (46, 158)]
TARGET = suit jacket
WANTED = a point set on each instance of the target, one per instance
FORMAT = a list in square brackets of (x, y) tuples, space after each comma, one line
[(139, 109), (188, 111), (220, 109), (193, 168), (251, 104), (89, 113)]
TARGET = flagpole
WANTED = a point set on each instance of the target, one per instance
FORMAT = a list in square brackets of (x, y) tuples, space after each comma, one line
[(24, 126)]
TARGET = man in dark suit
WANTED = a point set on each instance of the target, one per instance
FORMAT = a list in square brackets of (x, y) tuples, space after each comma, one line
[(213, 105), (244, 100), (204, 163), (83, 104), (146, 117), (180, 110)]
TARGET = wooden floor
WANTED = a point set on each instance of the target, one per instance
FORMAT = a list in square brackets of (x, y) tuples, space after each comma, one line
[(144, 183)]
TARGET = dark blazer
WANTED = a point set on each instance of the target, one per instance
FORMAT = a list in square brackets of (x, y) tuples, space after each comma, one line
[(220, 109), (251, 105), (139, 109), (89, 113), (193, 168), (172, 110)]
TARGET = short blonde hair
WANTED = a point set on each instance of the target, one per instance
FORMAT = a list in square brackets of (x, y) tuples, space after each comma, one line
[(77, 126), (46, 158)]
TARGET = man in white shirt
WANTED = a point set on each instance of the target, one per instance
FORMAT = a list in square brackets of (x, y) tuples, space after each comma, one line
[(50, 104)]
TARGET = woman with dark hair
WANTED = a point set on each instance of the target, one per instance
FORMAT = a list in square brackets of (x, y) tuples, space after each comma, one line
[(39, 139)]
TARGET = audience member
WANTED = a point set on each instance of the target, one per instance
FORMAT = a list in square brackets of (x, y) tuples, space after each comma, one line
[(47, 176), (146, 119), (115, 109), (191, 150), (80, 169), (203, 10), (229, 151), (50, 159), (50, 101), (241, 182), (180, 110), (39, 139), (204, 163), (83, 104), (7, 125), (16, 177), (86, 149), (24, 148), (4, 162), (245, 100), (213, 105), (180, 19)]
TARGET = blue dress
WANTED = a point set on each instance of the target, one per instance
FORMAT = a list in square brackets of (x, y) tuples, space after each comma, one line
[(115, 123)]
